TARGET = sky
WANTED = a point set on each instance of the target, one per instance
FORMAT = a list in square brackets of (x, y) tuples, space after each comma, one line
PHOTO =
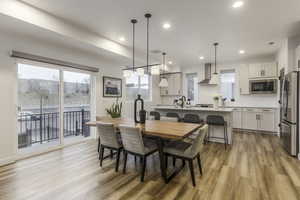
[(26, 71)]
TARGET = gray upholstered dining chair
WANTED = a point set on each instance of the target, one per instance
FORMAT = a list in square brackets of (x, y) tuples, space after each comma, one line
[(109, 139), (187, 151), (135, 144), (195, 119)]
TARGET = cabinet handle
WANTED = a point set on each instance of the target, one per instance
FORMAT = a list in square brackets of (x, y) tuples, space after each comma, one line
[(240, 90)]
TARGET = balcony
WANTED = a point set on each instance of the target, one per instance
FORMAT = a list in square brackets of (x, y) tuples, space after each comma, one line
[(44, 128)]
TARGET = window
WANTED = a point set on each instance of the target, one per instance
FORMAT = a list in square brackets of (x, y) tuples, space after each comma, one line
[(192, 89), (138, 85), (228, 84)]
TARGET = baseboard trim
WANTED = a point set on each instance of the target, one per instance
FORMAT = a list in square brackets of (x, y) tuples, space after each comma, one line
[(255, 131), (7, 161)]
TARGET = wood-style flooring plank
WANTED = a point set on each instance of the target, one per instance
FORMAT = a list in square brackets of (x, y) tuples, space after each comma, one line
[(254, 167)]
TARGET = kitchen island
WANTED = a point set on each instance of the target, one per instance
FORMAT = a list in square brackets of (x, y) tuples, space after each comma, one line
[(216, 131)]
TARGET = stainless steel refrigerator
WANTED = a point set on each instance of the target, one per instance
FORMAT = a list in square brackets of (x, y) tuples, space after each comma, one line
[(289, 125)]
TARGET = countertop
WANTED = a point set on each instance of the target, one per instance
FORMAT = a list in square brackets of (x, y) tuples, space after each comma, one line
[(193, 109)]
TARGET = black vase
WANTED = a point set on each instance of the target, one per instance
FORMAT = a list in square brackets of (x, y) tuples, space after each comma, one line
[(142, 112)]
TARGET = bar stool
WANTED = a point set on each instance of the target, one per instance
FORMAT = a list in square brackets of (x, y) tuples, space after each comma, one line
[(216, 120), (155, 114), (174, 115)]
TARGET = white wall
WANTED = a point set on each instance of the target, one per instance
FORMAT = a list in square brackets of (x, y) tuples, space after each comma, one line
[(206, 93), (8, 82)]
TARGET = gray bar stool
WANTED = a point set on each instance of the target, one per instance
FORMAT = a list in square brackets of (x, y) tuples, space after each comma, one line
[(216, 120), (175, 115), (155, 114)]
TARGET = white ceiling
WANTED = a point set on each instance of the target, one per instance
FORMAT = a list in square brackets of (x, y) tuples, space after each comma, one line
[(196, 24)]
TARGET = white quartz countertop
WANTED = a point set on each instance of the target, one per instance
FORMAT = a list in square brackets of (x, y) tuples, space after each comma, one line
[(193, 109)]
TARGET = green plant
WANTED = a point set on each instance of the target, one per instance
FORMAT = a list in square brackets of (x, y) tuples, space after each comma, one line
[(216, 98), (115, 111)]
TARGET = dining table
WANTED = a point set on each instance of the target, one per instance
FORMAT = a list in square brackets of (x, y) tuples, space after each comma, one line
[(161, 131)]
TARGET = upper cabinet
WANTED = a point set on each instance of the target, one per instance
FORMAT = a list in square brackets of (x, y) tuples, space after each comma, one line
[(244, 79), (262, 70), (174, 85)]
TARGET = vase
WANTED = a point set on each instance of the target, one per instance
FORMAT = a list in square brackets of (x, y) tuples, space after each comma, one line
[(216, 104)]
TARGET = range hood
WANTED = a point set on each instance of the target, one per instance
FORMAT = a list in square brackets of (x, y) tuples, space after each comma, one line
[(208, 76)]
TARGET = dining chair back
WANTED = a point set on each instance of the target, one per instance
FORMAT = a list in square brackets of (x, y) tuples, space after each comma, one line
[(132, 139), (199, 140), (108, 135)]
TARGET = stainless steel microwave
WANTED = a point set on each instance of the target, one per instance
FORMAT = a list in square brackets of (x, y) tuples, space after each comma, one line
[(265, 86)]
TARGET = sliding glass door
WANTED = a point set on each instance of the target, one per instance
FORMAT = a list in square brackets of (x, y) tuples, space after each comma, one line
[(77, 105), (38, 106), (53, 106)]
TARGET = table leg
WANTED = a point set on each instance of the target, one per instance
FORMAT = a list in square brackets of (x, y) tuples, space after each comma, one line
[(160, 145)]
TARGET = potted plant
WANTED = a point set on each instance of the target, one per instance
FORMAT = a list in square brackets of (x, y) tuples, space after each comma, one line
[(115, 111)]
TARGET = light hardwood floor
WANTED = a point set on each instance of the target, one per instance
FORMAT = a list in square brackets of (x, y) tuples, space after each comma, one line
[(254, 167)]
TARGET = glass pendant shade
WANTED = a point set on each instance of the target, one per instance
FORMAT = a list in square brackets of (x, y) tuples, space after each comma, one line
[(127, 73), (163, 82), (155, 70), (140, 71)]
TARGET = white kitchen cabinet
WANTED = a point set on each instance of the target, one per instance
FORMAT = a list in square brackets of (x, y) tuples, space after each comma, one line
[(249, 119), (255, 70), (270, 69), (244, 79), (267, 120), (262, 70), (259, 119), (174, 85), (237, 118)]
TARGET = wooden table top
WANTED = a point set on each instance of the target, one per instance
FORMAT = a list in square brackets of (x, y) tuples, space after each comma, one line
[(164, 129)]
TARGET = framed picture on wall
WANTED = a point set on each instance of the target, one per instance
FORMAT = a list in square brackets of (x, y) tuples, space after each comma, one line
[(112, 87)]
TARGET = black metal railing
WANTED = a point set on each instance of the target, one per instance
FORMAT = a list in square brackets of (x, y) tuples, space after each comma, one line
[(40, 128)]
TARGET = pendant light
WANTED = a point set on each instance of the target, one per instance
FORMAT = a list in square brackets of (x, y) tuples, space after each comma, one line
[(215, 78), (216, 45), (163, 81), (129, 73), (134, 21)]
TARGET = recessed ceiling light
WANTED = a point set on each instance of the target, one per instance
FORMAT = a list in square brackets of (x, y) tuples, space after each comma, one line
[(242, 51), (271, 43), (170, 62), (237, 4), (166, 25), (201, 57), (122, 39)]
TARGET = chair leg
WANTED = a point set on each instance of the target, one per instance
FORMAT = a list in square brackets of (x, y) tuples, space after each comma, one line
[(125, 162), (144, 159), (166, 161), (101, 154), (192, 172), (199, 164), (183, 162), (118, 160), (174, 161), (99, 145), (225, 140), (111, 154), (134, 159)]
